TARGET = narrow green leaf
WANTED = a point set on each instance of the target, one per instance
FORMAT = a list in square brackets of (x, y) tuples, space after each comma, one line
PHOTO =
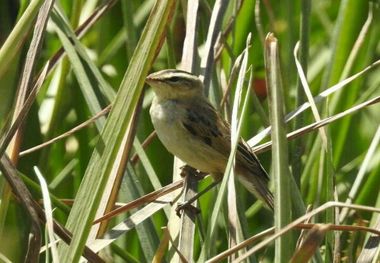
[(281, 174), (14, 41), (116, 135)]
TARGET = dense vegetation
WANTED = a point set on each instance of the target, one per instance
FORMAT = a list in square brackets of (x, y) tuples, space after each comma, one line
[(63, 63)]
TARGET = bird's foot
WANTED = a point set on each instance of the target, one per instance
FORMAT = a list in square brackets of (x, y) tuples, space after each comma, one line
[(187, 206), (187, 170)]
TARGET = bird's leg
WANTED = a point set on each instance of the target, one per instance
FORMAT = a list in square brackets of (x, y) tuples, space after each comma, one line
[(187, 170), (188, 203), (189, 189)]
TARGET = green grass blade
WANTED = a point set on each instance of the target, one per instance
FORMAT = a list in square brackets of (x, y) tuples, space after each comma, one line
[(281, 174), (111, 144), (14, 41)]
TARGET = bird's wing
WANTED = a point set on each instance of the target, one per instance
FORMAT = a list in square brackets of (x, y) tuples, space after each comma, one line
[(252, 174), (204, 123), (245, 155)]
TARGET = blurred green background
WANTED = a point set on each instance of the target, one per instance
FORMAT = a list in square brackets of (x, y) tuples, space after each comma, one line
[(329, 34)]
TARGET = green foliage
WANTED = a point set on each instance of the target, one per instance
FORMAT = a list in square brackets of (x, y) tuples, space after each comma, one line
[(107, 64)]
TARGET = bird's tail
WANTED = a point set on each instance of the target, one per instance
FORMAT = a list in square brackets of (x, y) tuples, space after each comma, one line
[(257, 185)]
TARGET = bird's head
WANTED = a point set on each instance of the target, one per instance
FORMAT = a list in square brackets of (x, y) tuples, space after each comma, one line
[(175, 84)]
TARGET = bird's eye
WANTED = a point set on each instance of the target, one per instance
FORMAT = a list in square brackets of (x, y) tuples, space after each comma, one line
[(174, 79)]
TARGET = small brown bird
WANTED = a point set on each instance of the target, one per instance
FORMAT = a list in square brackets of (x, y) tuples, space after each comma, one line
[(191, 129)]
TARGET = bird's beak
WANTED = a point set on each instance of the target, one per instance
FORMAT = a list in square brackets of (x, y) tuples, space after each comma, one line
[(151, 79)]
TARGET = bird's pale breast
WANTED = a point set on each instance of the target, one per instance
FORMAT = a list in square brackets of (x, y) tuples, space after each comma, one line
[(167, 119)]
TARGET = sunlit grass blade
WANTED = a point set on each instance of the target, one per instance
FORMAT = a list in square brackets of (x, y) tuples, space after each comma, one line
[(316, 125), (310, 245), (322, 96), (301, 219), (48, 215), (207, 63), (370, 252), (107, 160), (360, 177), (14, 41), (84, 78), (281, 174), (134, 220), (187, 225), (26, 93)]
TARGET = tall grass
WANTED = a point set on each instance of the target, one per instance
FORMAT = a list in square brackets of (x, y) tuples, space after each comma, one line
[(94, 54)]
